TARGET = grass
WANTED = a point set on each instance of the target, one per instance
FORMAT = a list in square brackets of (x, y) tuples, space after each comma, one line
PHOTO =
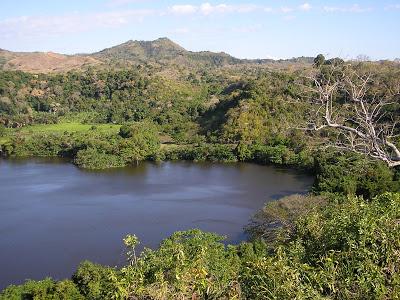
[(3, 140), (69, 127), (60, 128)]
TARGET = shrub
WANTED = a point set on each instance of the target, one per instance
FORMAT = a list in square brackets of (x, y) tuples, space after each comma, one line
[(92, 280), (188, 265), (203, 152), (42, 290), (279, 217), (351, 174), (94, 159)]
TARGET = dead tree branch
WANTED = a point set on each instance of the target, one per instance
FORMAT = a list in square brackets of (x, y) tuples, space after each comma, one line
[(343, 104)]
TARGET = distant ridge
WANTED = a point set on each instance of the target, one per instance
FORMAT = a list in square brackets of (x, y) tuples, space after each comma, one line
[(161, 51)]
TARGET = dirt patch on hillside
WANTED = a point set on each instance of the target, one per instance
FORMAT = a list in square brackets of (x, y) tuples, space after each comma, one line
[(40, 62)]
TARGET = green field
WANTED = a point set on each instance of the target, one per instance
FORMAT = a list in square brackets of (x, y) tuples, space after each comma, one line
[(69, 127), (60, 128)]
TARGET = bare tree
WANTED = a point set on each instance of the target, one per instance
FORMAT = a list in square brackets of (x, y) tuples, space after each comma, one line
[(343, 101)]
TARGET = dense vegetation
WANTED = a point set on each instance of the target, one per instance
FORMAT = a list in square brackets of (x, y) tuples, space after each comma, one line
[(340, 242)]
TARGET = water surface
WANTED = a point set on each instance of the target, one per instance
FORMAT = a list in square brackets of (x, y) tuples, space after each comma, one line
[(54, 215)]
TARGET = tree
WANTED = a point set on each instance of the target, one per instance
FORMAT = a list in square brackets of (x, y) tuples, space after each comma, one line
[(140, 141), (319, 60), (344, 102)]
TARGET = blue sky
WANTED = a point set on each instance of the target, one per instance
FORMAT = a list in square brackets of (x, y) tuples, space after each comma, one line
[(245, 29)]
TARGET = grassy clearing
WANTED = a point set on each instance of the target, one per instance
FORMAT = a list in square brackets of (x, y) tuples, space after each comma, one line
[(70, 127), (170, 147)]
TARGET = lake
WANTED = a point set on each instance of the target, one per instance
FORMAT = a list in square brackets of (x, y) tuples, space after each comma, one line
[(54, 215)]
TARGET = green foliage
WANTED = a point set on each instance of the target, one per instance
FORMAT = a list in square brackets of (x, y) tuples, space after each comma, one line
[(3, 130), (277, 218), (203, 152), (39, 144), (278, 154), (69, 127), (353, 247), (46, 289), (279, 277), (141, 136), (186, 265), (319, 60), (347, 250), (352, 174), (92, 147), (91, 158), (92, 280)]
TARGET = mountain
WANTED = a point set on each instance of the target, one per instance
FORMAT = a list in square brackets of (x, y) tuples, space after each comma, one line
[(162, 48), (162, 51), (165, 51)]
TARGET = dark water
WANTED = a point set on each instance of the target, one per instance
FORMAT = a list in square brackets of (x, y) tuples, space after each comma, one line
[(53, 215)]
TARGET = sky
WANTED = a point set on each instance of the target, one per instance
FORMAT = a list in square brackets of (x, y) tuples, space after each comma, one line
[(244, 29)]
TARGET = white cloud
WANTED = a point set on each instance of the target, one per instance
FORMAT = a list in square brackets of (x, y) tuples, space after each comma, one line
[(289, 17), (286, 9), (183, 9), (393, 7), (247, 8), (355, 8), (305, 7), (207, 8), (114, 3), (248, 29), (43, 26), (182, 30)]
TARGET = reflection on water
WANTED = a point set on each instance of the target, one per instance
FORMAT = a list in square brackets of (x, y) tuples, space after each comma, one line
[(54, 215)]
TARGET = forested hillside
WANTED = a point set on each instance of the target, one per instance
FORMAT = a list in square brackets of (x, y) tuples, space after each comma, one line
[(157, 101)]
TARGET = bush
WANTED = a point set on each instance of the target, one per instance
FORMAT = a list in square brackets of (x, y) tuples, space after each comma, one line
[(346, 250), (40, 144), (92, 280), (203, 152), (94, 159), (351, 174), (188, 265), (279, 217), (279, 277), (354, 247), (277, 154), (42, 290)]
